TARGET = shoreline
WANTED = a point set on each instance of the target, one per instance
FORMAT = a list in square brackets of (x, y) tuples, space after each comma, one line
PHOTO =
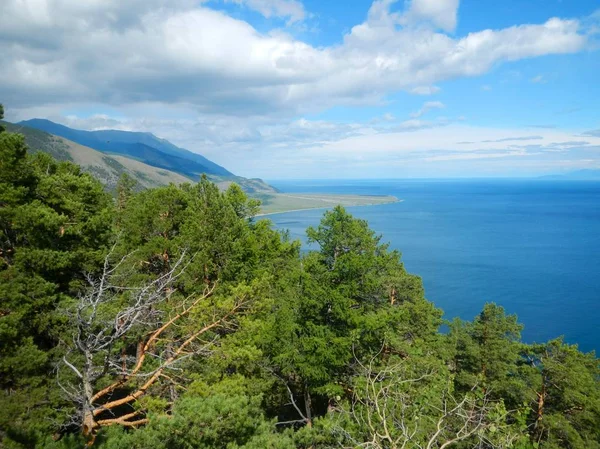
[(266, 214)]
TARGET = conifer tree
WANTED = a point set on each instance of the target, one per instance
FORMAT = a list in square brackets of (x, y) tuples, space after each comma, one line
[(1, 117), (207, 328), (566, 405), (54, 223), (489, 354), (353, 298)]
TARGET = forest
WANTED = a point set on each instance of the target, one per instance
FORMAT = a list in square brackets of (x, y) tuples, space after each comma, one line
[(173, 317)]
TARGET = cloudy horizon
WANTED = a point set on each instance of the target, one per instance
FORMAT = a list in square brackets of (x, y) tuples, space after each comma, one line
[(284, 88)]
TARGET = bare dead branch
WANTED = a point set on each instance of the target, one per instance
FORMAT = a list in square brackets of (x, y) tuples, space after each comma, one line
[(101, 325), (387, 406)]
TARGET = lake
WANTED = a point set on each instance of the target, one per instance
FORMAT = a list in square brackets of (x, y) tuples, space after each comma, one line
[(531, 246)]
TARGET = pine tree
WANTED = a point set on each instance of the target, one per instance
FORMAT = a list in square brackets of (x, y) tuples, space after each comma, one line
[(566, 406), (488, 353), (55, 221), (353, 299)]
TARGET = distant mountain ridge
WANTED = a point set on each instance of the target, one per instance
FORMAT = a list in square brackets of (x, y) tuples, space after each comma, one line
[(145, 147), (588, 174), (129, 153), (106, 168)]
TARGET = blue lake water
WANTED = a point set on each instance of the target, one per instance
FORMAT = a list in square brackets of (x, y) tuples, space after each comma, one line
[(531, 246)]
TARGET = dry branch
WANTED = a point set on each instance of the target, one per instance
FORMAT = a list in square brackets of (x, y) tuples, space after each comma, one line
[(387, 407), (100, 326)]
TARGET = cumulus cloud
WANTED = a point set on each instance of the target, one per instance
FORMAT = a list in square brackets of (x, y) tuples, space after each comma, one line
[(291, 9), (538, 79), (215, 84), (117, 53), (441, 13)]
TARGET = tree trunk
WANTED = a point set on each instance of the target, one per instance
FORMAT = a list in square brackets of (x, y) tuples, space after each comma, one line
[(89, 424), (307, 406), (540, 406)]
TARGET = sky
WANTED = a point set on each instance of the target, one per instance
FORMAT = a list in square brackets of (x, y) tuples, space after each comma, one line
[(320, 89)]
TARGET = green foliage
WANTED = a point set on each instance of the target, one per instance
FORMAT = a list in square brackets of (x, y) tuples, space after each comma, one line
[(125, 188), (488, 352), (55, 221), (337, 347), (225, 415), (398, 402), (567, 410), (349, 300), (243, 207)]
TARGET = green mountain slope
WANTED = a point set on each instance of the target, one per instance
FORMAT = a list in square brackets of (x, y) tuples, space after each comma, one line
[(108, 168), (145, 147)]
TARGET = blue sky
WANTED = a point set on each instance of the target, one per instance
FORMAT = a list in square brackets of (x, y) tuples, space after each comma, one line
[(312, 89)]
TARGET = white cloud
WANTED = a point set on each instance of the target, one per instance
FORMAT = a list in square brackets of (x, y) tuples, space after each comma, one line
[(428, 106), (441, 13), (291, 9), (416, 148), (214, 84), (425, 90), (182, 52), (429, 151), (266, 147), (486, 87)]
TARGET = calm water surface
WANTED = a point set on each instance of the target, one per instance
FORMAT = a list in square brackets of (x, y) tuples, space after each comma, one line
[(531, 246)]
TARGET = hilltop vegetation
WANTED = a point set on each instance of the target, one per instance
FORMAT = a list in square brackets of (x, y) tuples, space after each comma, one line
[(172, 318)]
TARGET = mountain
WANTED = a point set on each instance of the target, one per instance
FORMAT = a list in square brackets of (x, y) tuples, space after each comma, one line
[(578, 175), (108, 167), (127, 148), (145, 147)]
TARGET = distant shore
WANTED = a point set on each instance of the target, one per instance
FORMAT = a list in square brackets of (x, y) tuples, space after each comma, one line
[(295, 202)]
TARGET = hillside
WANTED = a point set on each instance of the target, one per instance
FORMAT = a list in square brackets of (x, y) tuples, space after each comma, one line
[(151, 167), (108, 169), (131, 158), (145, 147)]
